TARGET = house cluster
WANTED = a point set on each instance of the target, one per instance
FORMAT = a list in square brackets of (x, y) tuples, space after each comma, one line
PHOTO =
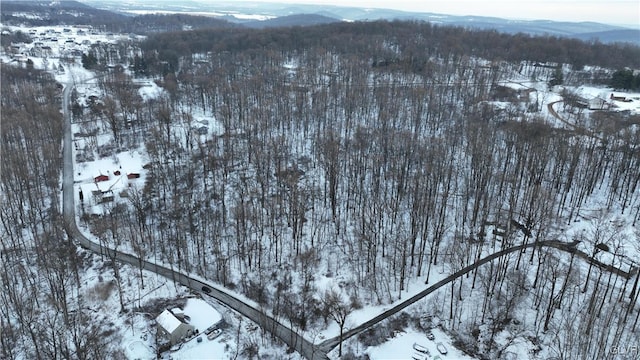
[(104, 186), (49, 42), (601, 103), (69, 42)]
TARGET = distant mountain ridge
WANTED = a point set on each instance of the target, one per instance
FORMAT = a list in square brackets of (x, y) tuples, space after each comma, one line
[(70, 12), (45, 13), (580, 30), (269, 15), (630, 36), (291, 20)]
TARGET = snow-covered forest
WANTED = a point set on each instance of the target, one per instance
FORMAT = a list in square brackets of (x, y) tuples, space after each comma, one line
[(323, 180)]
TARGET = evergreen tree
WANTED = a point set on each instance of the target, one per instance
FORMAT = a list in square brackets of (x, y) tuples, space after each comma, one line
[(557, 78), (139, 65), (624, 79), (89, 61)]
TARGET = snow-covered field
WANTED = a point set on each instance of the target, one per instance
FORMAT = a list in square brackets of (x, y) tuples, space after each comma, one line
[(234, 14), (404, 344)]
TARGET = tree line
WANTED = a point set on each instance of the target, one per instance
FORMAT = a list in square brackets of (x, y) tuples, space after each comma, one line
[(625, 79), (417, 42)]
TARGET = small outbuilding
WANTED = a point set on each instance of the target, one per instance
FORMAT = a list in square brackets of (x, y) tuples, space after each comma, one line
[(617, 97), (100, 178), (171, 329)]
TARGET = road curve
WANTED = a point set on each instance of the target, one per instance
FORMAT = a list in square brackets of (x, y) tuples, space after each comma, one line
[(268, 323), (578, 129), (329, 344)]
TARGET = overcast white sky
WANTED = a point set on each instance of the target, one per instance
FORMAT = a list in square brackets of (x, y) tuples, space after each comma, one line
[(604, 11)]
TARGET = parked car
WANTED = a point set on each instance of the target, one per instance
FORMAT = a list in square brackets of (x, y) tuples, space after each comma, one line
[(214, 334), (430, 336), (442, 348), (419, 348)]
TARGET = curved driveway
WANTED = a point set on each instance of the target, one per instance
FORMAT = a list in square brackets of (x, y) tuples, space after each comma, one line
[(289, 337), (578, 129)]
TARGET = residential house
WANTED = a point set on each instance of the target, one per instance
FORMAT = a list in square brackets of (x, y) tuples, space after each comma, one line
[(598, 103), (171, 329)]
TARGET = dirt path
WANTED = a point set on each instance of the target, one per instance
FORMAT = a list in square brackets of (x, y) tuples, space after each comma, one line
[(577, 129)]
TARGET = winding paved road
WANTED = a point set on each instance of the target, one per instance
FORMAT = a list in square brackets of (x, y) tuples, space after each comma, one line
[(289, 337), (329, 344)]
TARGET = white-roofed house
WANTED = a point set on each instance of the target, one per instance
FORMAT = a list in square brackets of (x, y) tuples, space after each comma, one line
[(172, 329), (598, 103)]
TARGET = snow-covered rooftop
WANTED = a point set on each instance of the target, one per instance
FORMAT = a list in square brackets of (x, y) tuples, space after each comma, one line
[(168, 321)]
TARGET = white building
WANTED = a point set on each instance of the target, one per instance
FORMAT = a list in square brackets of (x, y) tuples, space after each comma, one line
[(172, 329)]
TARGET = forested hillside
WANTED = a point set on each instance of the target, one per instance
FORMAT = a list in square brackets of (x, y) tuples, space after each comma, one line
[(326, 169), (369, 156), (40, 313), (408, 45)]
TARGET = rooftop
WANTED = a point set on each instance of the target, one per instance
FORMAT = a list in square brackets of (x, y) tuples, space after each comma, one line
[(168, 321)]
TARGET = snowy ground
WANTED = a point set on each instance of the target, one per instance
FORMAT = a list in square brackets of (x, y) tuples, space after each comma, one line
[(206, 349), (631, 102), (202, 315), (137, 331), (402, 347), (360, 316)]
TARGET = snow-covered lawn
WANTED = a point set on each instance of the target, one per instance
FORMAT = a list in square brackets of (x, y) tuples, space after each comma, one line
[(202, 314), (367, 313), (149, 90), (207, 349), (139, 350), (402, 346)]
